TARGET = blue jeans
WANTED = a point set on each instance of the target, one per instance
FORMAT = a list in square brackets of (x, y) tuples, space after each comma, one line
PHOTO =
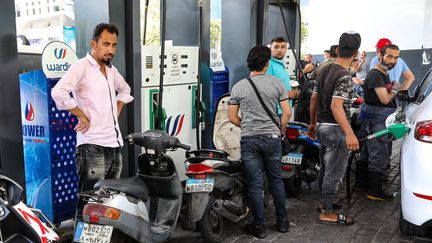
[(258, 152), (95, 163), (334, 158)]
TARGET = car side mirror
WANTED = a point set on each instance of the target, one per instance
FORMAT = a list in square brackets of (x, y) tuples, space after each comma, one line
[(404, 95)]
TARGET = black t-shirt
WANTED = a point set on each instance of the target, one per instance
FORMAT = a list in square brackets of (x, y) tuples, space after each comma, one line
[(333, 81), (375, 79)]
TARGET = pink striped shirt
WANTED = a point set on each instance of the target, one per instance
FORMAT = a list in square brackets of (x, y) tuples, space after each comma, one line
[(96, 96)]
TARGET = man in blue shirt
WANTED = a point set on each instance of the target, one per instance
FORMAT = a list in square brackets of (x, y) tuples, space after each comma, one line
[(401, 67), (277, 68)]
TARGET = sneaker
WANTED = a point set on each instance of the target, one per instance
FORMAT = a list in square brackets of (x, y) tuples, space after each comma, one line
[(256, 230), (282, 225)]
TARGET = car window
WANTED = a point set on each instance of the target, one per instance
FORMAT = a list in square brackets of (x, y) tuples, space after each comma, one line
[(425, 88)]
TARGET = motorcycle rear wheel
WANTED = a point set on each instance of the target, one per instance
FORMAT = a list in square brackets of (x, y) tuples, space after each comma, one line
[(292, 185), (212, 225)]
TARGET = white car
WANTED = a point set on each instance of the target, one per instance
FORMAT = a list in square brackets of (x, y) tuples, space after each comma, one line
[(416, 162)]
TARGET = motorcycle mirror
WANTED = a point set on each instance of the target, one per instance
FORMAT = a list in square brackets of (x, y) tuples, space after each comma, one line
[(10, 190)]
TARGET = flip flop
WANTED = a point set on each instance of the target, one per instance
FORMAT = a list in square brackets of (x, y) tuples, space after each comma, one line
[(341, 220), (336, 206)]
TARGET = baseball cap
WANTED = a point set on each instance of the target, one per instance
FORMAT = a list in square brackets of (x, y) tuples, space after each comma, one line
[(383, 42), (350, 40)]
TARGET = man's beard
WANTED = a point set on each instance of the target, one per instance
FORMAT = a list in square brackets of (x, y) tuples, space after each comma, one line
[(387, 66), (107, 60)]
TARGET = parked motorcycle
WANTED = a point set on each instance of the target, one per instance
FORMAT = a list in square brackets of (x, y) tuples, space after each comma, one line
[(215, 192), (19, 223), (142, 208), (302, 162)]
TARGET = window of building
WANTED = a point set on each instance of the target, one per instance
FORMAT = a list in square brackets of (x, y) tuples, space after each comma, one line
[(48, 9), (34, 11), (18, 13), (56, 8), (40, 11)]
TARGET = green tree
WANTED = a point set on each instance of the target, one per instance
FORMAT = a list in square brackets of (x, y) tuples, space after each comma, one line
[(153, 23), (215, 32), (303, 36)]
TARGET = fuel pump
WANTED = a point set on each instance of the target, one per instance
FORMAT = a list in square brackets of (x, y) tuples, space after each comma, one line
[(171, 74)]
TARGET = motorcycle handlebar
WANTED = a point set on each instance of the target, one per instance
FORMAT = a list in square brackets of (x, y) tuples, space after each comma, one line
[(184, 146)]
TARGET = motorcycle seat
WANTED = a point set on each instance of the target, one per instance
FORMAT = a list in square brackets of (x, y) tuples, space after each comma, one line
[(132, 186)]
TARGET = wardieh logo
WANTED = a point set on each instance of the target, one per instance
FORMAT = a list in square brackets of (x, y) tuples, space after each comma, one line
[(176, 126), (29, 112), (61, 54)]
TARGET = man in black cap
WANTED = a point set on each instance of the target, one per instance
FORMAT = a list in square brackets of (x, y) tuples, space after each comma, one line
[(330, 103)]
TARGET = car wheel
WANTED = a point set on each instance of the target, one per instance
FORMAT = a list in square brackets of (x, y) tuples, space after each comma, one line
[(409, 228)]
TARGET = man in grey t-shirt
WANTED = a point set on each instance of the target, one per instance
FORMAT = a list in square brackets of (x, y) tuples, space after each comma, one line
[(261, 137)]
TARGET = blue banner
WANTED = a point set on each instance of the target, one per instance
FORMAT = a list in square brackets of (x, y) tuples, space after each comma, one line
[(35, 128)]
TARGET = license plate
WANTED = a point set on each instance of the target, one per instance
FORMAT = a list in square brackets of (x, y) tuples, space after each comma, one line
[(199, 185), (93, 233), (292, 158)]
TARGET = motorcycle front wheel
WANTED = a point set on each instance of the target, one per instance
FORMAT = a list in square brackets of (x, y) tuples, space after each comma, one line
[(212, 225)]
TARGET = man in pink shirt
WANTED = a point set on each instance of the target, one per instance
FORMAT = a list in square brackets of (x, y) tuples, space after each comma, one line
[(99, 93)]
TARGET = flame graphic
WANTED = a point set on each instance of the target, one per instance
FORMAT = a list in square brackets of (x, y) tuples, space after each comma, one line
[(177, 126), (29, 112)]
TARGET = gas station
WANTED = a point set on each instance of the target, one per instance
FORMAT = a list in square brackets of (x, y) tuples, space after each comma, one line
[(187, 66)]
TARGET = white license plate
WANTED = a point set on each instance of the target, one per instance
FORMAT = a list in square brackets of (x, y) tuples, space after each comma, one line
[(93, 233), (292, 158), (199, 185)]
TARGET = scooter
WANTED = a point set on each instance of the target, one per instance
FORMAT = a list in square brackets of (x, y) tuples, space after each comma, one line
[(19, 223), (142, 208), (302, 162)]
